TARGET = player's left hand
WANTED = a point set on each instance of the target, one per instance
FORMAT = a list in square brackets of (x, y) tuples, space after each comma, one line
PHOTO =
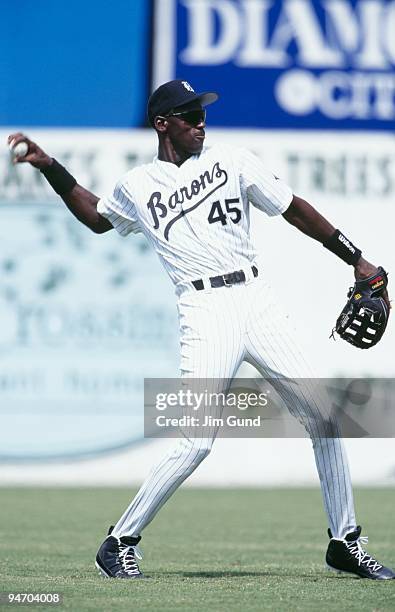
[(363, 320), (364, 269)]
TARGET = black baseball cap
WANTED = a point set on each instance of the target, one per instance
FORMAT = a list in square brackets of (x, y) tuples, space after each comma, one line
[(173, 94)]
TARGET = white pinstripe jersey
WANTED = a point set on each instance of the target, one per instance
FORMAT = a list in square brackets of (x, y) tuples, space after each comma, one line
[(197, 215)]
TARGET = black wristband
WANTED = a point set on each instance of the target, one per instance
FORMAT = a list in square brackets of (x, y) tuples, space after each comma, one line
[(343, 248), (59, 178)]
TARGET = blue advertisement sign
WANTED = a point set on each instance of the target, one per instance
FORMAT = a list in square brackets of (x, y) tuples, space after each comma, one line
[(318, 64), (73, 64)]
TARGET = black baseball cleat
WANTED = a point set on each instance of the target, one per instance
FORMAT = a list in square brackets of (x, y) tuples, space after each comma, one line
[(347, 556), (116, 557)]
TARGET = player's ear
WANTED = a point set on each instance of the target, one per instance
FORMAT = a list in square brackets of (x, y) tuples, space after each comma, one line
[(160, 123)]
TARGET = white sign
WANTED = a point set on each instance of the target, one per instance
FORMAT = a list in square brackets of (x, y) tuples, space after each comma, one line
[(84, 318)]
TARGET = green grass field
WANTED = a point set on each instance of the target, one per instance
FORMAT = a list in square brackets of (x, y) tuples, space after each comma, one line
[(231, 550)]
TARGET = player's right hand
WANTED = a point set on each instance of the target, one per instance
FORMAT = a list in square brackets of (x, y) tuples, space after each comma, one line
[(35, 156)]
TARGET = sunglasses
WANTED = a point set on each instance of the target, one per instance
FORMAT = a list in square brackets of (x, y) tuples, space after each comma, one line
[(194, 117)]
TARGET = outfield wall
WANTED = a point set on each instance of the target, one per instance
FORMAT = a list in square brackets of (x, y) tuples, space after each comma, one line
[(77, 309), (232, 463)]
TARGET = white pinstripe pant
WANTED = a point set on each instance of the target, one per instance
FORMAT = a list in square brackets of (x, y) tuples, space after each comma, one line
[(219, 329)]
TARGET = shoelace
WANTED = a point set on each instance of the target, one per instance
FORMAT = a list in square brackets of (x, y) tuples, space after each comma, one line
[(127, 556), (363, 557)]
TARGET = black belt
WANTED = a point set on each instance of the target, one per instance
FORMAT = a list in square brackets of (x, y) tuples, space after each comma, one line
[(225, 280)]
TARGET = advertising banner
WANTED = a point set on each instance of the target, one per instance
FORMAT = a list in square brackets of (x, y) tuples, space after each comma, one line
[(85, 318), (92, 68), (317, 64)]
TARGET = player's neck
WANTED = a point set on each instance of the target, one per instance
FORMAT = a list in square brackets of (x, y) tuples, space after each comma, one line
[(167, 153)]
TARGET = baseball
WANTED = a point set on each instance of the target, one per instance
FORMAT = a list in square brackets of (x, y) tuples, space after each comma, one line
[(19, 150)]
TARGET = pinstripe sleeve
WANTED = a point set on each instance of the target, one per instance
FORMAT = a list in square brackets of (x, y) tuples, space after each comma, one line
[(264, 190), (120, 210)]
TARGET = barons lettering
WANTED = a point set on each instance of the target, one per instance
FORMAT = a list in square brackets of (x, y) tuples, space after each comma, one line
[(199, 186)]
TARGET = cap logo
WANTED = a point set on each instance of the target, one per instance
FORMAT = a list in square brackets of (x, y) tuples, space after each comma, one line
[(188, 86)]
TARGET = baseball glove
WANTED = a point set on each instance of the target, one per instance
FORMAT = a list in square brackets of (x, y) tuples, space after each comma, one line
[(363, 320)]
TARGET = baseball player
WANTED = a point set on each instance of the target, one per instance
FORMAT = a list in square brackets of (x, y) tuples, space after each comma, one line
[(193, 205)]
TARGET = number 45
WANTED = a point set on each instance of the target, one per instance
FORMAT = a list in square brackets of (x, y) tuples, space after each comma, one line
[(217, 214)]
